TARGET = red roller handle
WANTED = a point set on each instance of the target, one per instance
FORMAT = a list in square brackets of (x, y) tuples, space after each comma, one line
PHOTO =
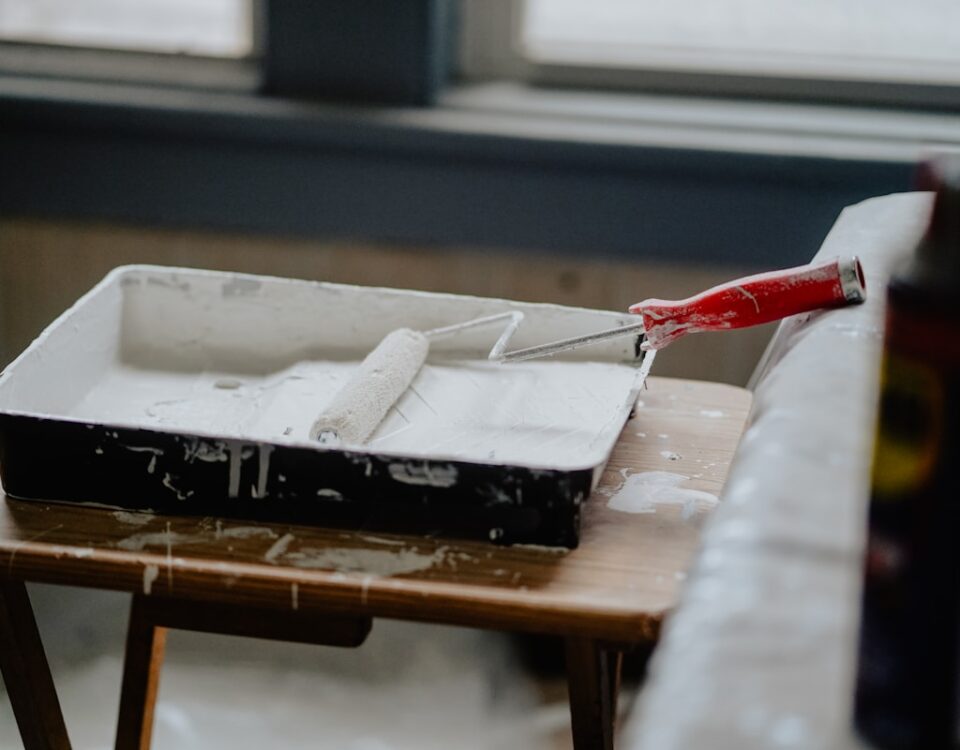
[(753, 300)]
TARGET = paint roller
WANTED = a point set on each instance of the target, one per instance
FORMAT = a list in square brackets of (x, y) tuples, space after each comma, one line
[(385, 374), (390, 368), (742, 303)]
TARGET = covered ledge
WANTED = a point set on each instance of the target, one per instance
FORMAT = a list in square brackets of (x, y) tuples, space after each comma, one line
[(761, 652)]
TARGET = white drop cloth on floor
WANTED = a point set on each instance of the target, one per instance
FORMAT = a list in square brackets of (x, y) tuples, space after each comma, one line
[(410, 686)]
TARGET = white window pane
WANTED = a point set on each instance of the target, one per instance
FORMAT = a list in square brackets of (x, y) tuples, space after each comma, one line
[(218, 28), (871, 38)]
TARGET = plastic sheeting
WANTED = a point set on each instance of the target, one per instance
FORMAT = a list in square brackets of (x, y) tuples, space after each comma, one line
[(761, 652)]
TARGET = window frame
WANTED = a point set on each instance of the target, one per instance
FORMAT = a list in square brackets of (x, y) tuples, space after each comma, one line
[(376, 51)]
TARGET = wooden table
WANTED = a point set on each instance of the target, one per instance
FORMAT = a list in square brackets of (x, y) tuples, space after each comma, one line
[(325, 586)]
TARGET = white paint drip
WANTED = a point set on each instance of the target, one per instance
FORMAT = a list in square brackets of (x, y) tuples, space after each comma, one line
[(152, 465), (167, 538), (150, 573), (670, 455), (144, 449), (541, 548), (236, 456), (332, 494), (647, 491), (381, 540), (264, 469), (104, 506), (209, 453), (133, 519), (169, 559), (247, 532), (496, 495), (295, 596), (711, 413), (749, 296), (168, 483), (279, 548), (83, 552), (424, 475), (370, 561)]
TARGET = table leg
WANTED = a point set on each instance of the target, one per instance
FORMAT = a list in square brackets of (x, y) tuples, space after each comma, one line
[(150, 617), (593, 680), (27, 674), (141, 678)]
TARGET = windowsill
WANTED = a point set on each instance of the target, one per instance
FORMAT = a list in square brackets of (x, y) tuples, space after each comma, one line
[(734, 126), (222, 94), (43, 63)]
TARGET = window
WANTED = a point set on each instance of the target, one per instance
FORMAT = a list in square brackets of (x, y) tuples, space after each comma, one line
[(209, 28), (374, 51), (839, 50)]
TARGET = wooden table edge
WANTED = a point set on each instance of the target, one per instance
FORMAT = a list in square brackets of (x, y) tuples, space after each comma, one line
[(321, 591), (452, 603)]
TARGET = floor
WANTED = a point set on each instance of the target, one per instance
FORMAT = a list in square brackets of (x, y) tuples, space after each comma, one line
[(409, 686)]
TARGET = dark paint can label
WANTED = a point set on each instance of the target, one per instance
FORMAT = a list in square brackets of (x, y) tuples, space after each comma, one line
[(907, 676)]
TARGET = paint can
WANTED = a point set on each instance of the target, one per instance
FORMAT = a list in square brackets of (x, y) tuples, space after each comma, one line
[(909, 657)]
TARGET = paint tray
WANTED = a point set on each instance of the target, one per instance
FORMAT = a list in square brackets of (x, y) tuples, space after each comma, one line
[(192, 392)]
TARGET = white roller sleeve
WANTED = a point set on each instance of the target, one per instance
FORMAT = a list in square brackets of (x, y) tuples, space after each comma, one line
[(381, 379)]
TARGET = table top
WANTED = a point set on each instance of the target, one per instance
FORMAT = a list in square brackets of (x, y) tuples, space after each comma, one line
[(616, 586)]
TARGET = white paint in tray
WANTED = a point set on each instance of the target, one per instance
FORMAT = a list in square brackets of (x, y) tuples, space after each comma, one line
[(254, 360), (538, 413)]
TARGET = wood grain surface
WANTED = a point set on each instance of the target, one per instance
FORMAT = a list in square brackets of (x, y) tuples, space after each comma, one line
[(142, 664), (615, 587)]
